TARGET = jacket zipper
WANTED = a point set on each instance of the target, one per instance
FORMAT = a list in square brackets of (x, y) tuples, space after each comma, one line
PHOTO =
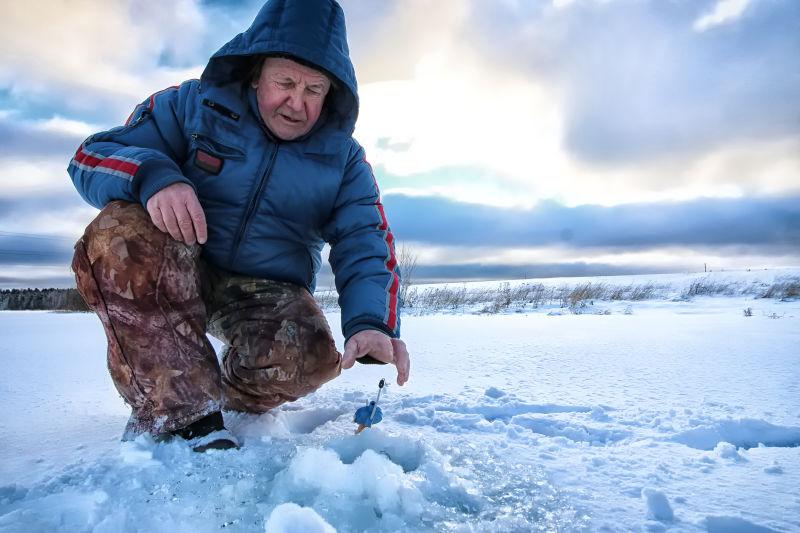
[(251, 208)]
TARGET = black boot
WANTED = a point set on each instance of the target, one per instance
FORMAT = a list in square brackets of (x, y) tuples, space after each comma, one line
[(208, 433)]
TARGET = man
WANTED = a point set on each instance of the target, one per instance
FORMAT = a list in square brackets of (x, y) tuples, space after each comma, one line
[(216, 197)]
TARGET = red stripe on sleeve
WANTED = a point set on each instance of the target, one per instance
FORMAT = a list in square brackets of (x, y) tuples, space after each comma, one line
[(391, 261), (392, 321), (85, 159), (152, 100), (121, 166)]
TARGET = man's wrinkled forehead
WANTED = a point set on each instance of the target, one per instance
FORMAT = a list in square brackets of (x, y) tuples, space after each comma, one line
[(283, 65)]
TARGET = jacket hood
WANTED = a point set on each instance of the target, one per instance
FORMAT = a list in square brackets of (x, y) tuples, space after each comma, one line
[(314, 32)]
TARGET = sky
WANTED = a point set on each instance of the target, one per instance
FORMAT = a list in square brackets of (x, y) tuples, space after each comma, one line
[(511, 138)]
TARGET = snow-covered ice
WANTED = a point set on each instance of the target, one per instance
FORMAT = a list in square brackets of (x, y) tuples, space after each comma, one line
[(674, 416)]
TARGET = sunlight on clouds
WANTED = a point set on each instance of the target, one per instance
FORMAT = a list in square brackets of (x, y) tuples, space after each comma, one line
[(456, 111), (731, 171), (18, 177), (561, 4), (96, 50), (454, 108), (724, 12), (492, 194), (60, 124)]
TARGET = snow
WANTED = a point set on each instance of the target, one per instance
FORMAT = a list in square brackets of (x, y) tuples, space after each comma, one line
[(658, 507), (677, 416), (291, 518)]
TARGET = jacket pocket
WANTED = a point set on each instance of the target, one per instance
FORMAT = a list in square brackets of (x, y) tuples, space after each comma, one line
[(217, 149)]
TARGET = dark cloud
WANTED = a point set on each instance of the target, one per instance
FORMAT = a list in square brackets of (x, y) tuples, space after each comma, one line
[(20, 140), (50, 249), (639, 82), (74, 100), (29, 205), (760, 222), (436, 273), (37, 282), (470, 272), (34, 250)]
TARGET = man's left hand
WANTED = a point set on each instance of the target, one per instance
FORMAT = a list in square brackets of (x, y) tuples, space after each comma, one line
[(381, 347)]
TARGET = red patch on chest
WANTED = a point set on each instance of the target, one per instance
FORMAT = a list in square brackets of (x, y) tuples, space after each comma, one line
[(210, 163)]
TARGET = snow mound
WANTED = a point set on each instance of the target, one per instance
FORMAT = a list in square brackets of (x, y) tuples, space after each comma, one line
[(733, 524), (370, 488), (658, 507), (570, 430), (291, 518), (494, 392), (726, 450), (744, 433)]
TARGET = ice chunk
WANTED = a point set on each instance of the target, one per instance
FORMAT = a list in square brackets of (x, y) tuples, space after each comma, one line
[(371, 479), (726, 450), (658, 507), (138, 452), (494, 392), (291, 518)]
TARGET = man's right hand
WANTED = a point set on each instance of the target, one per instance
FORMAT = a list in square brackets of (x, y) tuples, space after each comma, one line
[(176, 210)]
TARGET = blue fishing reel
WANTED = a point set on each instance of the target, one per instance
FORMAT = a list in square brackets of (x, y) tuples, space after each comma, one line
[(370, 413)]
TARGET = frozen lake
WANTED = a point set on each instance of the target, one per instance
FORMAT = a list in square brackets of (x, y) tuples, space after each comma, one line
[(677, 416)]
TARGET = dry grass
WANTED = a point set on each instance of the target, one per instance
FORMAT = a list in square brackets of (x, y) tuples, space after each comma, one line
[(784, 289), (578, 298)]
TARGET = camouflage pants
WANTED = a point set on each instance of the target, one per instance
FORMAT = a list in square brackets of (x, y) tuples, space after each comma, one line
[(157, 299)]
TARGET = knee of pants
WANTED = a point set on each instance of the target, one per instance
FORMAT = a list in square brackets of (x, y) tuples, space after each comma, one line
[(295, 352), (122, 231), (129, 254)]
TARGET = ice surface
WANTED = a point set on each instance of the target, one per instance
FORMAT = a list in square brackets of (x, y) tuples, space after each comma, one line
[(682, 416)]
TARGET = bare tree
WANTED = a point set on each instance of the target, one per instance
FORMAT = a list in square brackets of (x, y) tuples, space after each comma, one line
[(407, 260)]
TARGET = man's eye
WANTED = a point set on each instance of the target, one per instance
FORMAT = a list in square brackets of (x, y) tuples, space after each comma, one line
[(315, 91), (285, 84)]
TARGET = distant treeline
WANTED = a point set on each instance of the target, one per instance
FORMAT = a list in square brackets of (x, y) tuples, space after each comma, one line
[(41, 299)]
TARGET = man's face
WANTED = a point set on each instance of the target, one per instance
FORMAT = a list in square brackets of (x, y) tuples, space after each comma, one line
[(290, 97)]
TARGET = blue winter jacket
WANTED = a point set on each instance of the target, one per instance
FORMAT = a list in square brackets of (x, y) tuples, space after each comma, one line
[(269, 204)]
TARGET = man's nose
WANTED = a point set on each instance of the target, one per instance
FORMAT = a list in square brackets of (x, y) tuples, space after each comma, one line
[(295, 101)]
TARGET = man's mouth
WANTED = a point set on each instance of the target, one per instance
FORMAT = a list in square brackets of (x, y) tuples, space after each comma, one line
[(289, 119)]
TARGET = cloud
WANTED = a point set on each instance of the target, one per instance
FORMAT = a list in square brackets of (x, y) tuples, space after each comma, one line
[(31, 249), (594, 101), (758, 168), (97, 60), (637, 84), (59, 214), (389, 39), (724, 12), (762, 222), (41, 139), (30, 276), (472, 272)]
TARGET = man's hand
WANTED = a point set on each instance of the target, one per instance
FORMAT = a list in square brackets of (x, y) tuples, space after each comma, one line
[(176, 210), (381, 347)]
